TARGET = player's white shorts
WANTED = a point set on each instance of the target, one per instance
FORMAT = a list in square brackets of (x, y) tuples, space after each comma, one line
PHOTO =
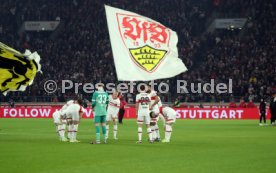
[(56, 117), (111, 114), (72, 112), (143, 116), (74, 115), (171, 118), (143, 119)]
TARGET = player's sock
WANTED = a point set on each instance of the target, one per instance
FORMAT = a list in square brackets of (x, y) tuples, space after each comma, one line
[(157, 131), (168, 132), (57, 130), (60, 129), (70, 129), (153, 132), (140, 130), (63, 126), (115, 129), (149, 133), (98, 134), (107, 131), (73, 136), (75, 131), (104, 132)]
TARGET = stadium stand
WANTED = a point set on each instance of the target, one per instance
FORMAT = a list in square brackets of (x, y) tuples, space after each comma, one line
[(81, 51)]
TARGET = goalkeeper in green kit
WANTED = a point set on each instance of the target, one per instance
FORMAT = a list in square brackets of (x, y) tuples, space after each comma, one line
[(99, 103)]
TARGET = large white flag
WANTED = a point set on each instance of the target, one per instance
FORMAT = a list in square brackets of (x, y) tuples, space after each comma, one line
[(143, 49)]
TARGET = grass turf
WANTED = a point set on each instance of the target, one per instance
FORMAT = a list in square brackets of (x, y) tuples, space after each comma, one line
[(209, 146)]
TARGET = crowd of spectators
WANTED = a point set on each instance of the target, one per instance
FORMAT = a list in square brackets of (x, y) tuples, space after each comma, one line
[(81, 50)]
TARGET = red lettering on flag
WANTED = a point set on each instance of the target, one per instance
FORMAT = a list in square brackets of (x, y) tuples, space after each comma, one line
[(134, 28)]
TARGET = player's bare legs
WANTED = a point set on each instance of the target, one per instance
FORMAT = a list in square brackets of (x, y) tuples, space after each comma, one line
[(70, 128), (115, 128), (140, 131), (75, 125), (157, 133), (152, 126), (168, 132), (149, 133), (60, 125), (60, 129), (107, 129)]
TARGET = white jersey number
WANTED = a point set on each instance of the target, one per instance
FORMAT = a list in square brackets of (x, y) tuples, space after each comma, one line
[(102, 99)]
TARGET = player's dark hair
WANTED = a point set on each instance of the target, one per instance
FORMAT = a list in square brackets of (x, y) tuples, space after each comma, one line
[(151, 114), (142, 88), (79, 101), (85, 103)]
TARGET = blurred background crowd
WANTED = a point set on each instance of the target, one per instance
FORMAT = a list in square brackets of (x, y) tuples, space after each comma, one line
[(80, 50)]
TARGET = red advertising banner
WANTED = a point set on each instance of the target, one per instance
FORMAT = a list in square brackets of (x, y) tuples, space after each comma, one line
[(182, 113)]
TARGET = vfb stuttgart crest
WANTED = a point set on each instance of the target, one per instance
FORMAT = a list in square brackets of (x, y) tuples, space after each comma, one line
[(146, 40)]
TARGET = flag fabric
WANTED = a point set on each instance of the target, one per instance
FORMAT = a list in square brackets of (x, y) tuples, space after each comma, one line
[(17, 70), (143, 49)]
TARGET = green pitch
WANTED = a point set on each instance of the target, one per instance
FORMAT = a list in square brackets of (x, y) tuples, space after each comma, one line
[(197, 146)]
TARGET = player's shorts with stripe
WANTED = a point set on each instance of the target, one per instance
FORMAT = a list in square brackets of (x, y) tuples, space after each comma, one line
[(143, 119), (75, 116), (100, 119), (171, 118)]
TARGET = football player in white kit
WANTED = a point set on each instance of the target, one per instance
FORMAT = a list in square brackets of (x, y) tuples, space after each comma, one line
[(169, 116), (143, 113), (74, 111), (60, 123), (154, 100), (68, 119), (112, 113)]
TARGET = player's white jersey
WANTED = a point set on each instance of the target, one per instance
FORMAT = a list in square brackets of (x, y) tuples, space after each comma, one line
[(153, 96), (169, 114), (73, 111), (113, 107), (64, 107), (159, 104), (143, 100)]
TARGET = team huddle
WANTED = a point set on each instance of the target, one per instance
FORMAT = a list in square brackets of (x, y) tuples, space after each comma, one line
[(69, 115), (149, 110)]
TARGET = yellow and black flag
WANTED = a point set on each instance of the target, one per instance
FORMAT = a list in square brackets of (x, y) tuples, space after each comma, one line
[(17, 70)]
